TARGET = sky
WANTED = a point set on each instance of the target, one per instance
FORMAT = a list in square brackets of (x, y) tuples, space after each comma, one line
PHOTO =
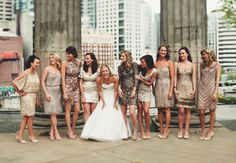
[(211, 5)]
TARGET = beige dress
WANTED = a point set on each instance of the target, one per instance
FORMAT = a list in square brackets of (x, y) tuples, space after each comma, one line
[(162, 86), (30, 85), (90, 87), (53, 86), (144, 90), (207, 86), (72, 82), (184, 87)]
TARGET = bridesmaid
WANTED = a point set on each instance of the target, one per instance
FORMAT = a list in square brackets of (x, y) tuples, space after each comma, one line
[(146, 78), (184, 89), (88, 87), (70, 72), (51, 83), (210, 71), (27, 86), (127, 88), (164, 89)]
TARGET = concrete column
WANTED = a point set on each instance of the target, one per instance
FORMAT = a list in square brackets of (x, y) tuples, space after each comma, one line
[(184, 23), (57, 26)]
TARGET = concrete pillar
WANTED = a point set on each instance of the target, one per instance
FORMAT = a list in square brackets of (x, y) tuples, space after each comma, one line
[(57, 26), (184, 23)]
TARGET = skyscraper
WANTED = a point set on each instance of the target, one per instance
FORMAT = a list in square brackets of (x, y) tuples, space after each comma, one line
[(124, 20), (226, 46), (5, 10), (88, 9), (23, 6)]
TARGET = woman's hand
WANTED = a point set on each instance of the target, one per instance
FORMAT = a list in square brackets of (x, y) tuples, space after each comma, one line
[(22, 93), (170, 95), (82, 98), (176, 93), (138, 77), (120, 93), (133, 94), (65, 97), (214, 97), (103, 105), (115, 106), (48, 98), (192, 94)]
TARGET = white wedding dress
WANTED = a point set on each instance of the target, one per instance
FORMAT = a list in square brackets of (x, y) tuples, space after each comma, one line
[(105, 124)]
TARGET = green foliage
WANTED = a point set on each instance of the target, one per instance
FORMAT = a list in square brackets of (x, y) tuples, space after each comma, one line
[(227, 99), (232, 76), (228, 9)]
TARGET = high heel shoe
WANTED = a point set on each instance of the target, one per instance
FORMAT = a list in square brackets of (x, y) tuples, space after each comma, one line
[(71, 136), (33, 140), (180, 135), (186, 135), (51, 137), (164, 136), (58, 138), (22, 141), (209, 137)]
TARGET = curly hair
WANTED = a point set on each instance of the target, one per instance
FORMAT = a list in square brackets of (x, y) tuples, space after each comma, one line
[(94, 63), (150, 63), (58, 60), (129, 64), (212, 57)]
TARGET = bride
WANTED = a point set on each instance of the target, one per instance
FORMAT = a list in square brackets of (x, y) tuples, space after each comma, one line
[(106, 123)]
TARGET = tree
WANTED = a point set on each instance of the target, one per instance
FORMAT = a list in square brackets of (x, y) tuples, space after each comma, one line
[(228, 9)]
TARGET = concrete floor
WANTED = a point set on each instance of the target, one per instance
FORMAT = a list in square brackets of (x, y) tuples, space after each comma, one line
[(222, 149)]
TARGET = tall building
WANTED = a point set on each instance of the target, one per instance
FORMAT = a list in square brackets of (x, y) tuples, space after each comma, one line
[(155, 37), (123, 20), (226, 46), (88, 9), (212, 30), (5, 10), (145, 29), (23, 6), (99, 43)]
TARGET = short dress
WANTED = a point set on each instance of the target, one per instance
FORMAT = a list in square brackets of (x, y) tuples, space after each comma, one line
[(145, 91), (90, 87), (29, 84), (162, 86), (72, 82), (53, 86), (127, 82), (207, 86), (184, 87)]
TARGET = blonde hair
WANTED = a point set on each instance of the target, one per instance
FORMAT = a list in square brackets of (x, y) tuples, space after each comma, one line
[(58, 59), (128, 55), (212, 57), (105, 66)]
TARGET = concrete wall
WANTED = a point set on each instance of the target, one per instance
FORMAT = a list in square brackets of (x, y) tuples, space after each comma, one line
[(184, 23), (57, 26)]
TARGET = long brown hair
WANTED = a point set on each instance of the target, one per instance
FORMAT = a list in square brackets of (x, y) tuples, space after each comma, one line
[(212, 57), (129, 64)]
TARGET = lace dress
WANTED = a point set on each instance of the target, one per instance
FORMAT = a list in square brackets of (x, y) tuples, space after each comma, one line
[(105, 124), (184, 87), (90, 87), (72, 82), (30, 85), (53, 86), (162, 86)]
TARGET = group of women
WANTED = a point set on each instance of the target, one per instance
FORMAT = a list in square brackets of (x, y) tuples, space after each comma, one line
[(106, 97)]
